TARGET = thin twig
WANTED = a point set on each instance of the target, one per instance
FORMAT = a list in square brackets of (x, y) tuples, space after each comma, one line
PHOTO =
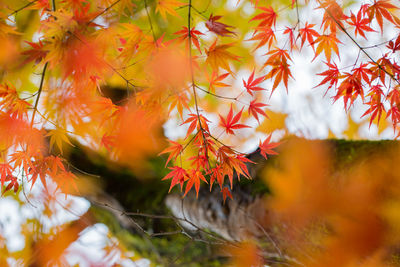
[(21, 8), (39, 92)]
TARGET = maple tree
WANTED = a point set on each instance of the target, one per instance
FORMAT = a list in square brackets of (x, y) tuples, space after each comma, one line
[(196, 64)]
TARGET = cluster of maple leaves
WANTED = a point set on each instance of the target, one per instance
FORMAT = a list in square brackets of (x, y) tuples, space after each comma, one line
[(77, 54)]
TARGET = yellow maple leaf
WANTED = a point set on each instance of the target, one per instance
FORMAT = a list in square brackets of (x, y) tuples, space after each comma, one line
[(58, 136), (165, 7), (276, 121), (218, 56), (353, 129)]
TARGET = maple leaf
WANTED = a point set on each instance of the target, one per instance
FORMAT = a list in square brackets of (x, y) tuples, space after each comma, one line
[(108, 141), (362, 72), (5, 171), (196, 123), (194, 178), (215, 80), (226, 193), (266, 147), (375, 109), (22, 158), (218, 56), (175, 150), (74, 4), (36, 54), (184, 34), (394, 46), (327, 43), (349, 89), (58, 136), (268, 17), (41, 4), (332, 76), (276, 122), (333, 15), (256, 108), (11, 103), (230, 123), (165, 7), (216, 173), (381, 9), (218, 28), (83, 58), (200, 161), (292, 39), (180, 101), (265, 35), (361, 24), (280, 71), (307, 33), (178, 175), (13, 182), (65, 182), (230, 162), (245, 254), (251, 84)]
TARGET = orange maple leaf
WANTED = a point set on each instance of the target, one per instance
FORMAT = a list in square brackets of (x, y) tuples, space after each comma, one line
[(226, 193), (216, 80), (265, 35), (165, 7), (379, 10), (327, 43), (278, 60), (194, 179), (175, 150), (218, 56), (307, 33)]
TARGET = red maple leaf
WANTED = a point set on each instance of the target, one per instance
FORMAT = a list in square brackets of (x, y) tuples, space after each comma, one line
[(394, 46), (226, 193), (292, 40), (256, 108), (266, 147), (13, 183), (331, 76), (268, 17), (36, 54), (184, 34), (251, 84), (178, 175), (230, 123), (196, 122), (361, 24)]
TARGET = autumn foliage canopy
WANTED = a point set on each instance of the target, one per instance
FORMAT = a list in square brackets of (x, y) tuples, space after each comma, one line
[(208, 68)]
